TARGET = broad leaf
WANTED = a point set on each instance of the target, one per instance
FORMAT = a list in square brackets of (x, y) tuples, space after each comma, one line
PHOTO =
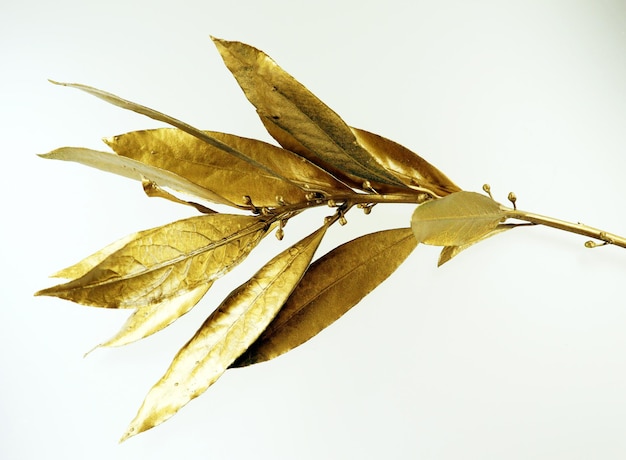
[(133, 169), (456, 220), (331, 286), (163, 263), (227, 333), (214, 169), (297, 114), (407, 166)]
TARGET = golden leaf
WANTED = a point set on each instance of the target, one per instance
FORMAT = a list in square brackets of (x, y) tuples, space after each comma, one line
[(214, 169), (163, 272), (407, 166), (227, 333), (133, 169), (448, 252), (162, 263), (156, 115), (330, 287), (151, 318), (283, 102), (456, 220)]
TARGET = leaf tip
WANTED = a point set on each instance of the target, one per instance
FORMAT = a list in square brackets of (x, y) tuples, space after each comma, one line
[(56, 154), (129, 433), (44, 155), (92, 350), (47, 291), (59, 83), (220, 45), (138, 425), (447, 253), (109, 140), (216, 40), (143, 422), (52, 291)]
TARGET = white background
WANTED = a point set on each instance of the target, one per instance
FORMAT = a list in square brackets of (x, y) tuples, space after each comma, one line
[(514, 350)]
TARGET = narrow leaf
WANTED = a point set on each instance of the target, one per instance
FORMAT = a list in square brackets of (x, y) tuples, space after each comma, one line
[(156, 115), (212, 168), (162, 263), (282, 101), (407, 166), (227, 333), (127, 167), (456, 220), (331, 286), (151, 318)]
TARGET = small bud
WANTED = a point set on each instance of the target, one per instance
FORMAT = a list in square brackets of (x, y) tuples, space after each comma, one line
[(280, 234), (487, 189), (342, 220), (367, 210), (592, 244), (328, 219), (512, 198), (332, 204)]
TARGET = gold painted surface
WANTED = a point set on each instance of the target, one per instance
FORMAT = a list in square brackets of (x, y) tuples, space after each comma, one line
[(161, 273)]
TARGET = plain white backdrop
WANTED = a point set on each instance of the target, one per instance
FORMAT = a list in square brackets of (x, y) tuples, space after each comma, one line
[(514, 350)]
